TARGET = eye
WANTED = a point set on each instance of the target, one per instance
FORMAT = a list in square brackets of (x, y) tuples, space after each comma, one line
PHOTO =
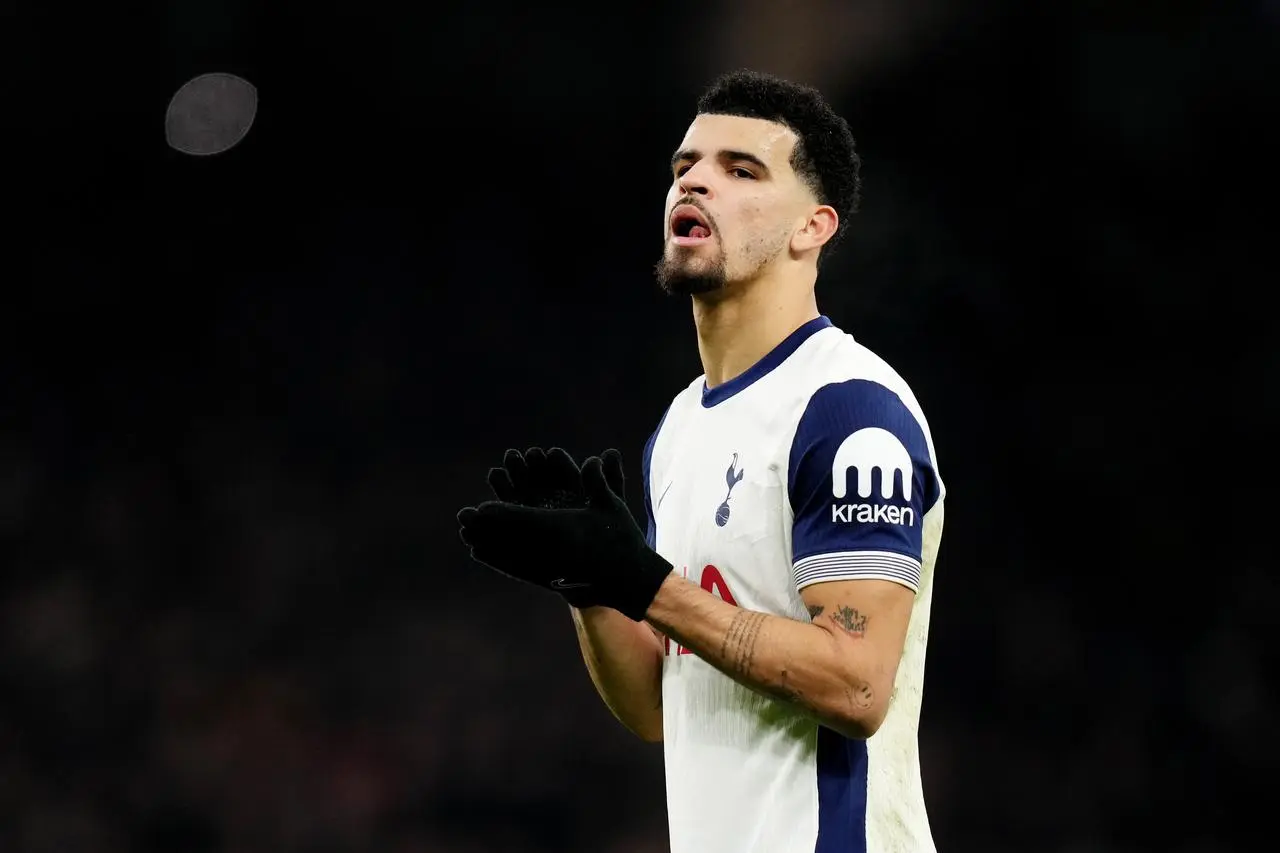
[(680, 170), (740, 172)]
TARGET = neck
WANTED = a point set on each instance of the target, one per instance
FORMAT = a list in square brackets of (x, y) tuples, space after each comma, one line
[(739, 326)]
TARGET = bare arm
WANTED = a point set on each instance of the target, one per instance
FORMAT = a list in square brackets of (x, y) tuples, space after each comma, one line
[(840, 668), (624, 659)]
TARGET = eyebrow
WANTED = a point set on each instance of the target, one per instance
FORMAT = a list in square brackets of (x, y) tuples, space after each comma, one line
[(724, 155)]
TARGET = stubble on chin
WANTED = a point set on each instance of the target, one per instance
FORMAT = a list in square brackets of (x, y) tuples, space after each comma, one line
[(679, 276)]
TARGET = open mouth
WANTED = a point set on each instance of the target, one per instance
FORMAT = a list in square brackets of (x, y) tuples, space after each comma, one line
[(688, 225)]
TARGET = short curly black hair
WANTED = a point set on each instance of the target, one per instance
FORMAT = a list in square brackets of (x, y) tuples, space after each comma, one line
[(825, 156)]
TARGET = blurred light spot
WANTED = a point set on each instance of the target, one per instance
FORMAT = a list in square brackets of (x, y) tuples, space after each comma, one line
[(210, 114)]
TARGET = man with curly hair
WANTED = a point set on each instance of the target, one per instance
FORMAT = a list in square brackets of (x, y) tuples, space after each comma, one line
[(770, 628)]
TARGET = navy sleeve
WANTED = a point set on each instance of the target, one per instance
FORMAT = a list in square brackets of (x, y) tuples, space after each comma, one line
[(861, 478), (646, 463)]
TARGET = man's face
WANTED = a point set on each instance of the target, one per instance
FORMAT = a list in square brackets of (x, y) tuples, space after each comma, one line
[(733, 204)]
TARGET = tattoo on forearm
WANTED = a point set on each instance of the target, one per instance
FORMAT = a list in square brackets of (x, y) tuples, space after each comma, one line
[(731, 636), (783, 690), (738, 653), (747, 649), (850, 620), (739, 648)]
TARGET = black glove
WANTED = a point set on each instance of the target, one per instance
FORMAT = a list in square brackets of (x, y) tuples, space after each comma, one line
[(550, 479), (593, 553)]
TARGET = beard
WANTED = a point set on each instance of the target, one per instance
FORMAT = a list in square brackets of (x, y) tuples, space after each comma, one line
[(681, 273)]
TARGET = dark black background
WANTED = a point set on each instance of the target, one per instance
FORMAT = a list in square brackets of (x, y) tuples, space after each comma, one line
[(244, 395)]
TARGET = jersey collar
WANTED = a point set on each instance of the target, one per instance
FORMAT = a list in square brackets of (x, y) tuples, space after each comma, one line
[(775, 357)]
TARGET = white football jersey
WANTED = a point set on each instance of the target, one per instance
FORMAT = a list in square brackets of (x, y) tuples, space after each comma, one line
[(814, 465)]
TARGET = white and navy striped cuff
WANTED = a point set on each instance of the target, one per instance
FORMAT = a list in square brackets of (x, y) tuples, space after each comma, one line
[(858, 565)]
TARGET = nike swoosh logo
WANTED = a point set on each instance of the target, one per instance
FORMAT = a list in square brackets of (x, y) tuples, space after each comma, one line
[(664, 494), (559, 583)]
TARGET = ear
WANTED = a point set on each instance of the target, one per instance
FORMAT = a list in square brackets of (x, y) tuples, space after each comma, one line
[(817, 229)]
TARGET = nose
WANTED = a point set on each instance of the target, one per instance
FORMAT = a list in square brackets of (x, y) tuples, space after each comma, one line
[(692, 182)]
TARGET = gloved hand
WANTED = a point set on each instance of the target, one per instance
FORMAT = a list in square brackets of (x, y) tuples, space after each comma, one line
[(551, 479), (575, 537)]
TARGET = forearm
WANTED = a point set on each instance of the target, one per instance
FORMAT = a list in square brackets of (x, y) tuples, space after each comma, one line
[(624, 660), (806, 664)]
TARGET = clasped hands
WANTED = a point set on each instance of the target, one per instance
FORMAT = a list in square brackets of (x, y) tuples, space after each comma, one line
[(566, 529)]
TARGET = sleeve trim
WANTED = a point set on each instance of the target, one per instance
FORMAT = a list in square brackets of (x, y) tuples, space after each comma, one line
[(858, 565)]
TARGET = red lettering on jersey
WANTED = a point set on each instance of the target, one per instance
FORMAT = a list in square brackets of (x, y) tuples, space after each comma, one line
[(713, 582)]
